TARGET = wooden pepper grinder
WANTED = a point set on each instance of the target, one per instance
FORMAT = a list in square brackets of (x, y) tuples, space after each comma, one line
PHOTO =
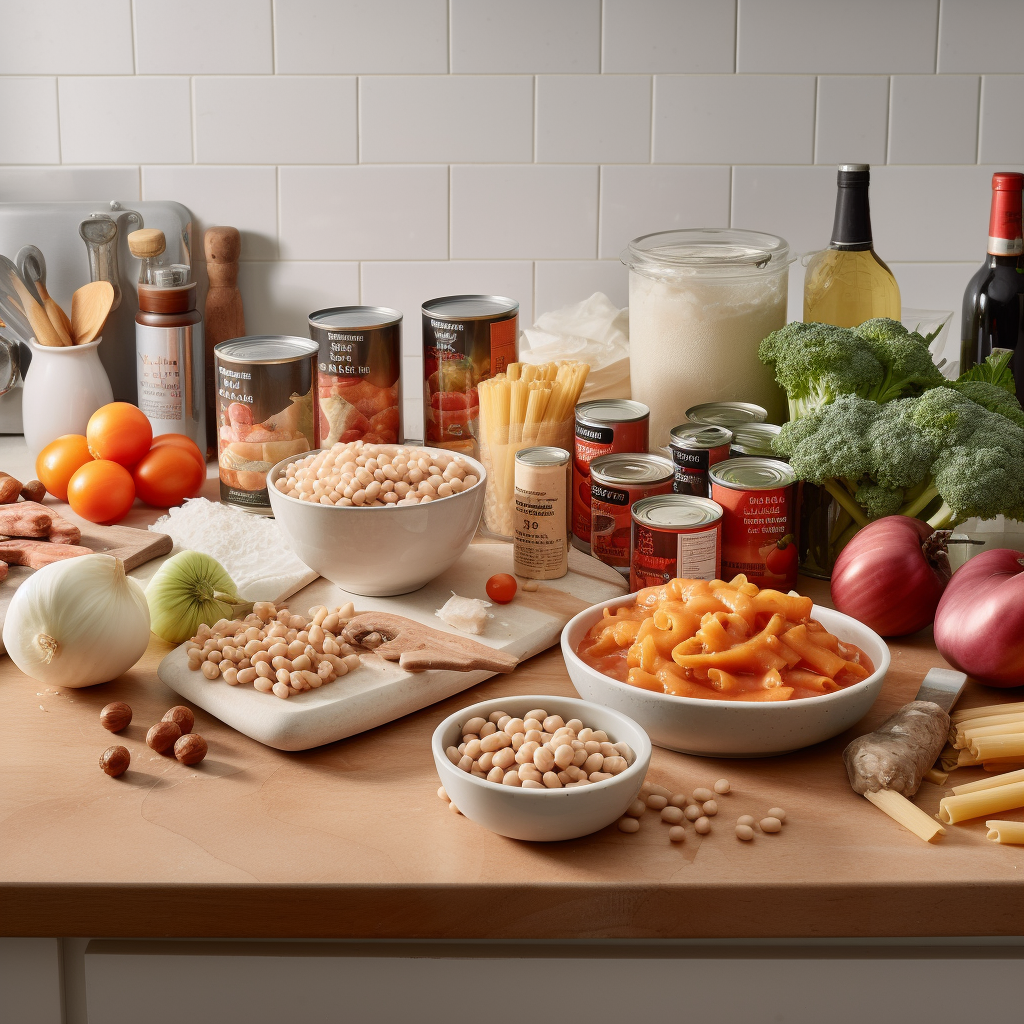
[(224, 317)]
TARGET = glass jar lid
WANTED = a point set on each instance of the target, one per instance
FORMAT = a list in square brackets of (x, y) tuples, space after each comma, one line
[(712, 252)]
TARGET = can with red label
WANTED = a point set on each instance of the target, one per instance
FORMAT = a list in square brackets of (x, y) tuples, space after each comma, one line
[(695, 448), (603, 427), (759, 528), (617, 482), (675, 536)]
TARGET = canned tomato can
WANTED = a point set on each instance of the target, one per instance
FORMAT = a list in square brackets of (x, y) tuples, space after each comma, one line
[(675, 536), (266, 412), (540, 531), (617, 482), (755, 439), (695, 448), (359, 373), (759, 527), (603, 427), (727, 414), (466, 339)]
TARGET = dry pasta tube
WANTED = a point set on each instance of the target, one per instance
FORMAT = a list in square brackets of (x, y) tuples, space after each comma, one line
[(936, 778), (1006, 832), (907, 814), (976, 805), (986, 712), (1006, 779), (959, 734), (989, 748)]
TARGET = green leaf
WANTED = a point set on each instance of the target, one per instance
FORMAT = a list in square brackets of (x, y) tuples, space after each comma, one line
[(996, 370)]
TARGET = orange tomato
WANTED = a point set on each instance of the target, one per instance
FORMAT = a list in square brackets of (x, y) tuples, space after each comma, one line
[(101, 491), (188, 445), (119, 432), (57, 462), (166, 475)]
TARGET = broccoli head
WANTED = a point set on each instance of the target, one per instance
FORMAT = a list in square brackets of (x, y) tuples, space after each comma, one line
[(992, 396), (905, 357)]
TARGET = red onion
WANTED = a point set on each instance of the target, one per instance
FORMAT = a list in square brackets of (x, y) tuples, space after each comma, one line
[(979, 624), (892, 574)]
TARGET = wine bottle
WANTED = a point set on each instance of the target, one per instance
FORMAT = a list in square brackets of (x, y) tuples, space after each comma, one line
[(992, 313), (847, 283)]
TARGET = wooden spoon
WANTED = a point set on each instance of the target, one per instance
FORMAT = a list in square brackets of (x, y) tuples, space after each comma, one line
[(44, 331), (90, 306), (59, 319)]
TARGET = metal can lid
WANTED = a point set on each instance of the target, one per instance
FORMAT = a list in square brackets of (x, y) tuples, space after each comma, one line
[(471, 307), (727, 414), (354, 318), (631, 468), (699, 435), (542, 456), (669, 511), (752, 474), (266, 348), (755, 438), (602, 411)]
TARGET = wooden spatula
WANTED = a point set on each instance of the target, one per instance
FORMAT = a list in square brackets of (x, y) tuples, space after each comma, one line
[(90, 306), (44, 331), (57, 316)]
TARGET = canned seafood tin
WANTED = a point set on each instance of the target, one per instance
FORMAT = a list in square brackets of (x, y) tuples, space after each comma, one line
[(675, 536), (603, 427), (695, 448), (727, 414), (755, 439), (466, 339), (266, 412), (617, 482), (759, 527), (359, 373)]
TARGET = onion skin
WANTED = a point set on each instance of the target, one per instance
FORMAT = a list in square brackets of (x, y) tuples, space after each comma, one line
[(979, 624), (885, 579)]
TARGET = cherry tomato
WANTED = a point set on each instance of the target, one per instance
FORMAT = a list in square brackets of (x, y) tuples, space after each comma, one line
[(101, 491), (501, 588), (58, 461), (188, 445), (120, 433), (166, 475)]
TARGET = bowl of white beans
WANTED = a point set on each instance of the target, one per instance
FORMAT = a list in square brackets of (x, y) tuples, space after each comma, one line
[(529, 803), (378, 519)]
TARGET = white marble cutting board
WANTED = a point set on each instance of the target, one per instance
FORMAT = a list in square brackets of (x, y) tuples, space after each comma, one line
[(380, 691)]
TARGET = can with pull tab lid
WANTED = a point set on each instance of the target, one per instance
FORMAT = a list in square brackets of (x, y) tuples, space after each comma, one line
[(675, 536)]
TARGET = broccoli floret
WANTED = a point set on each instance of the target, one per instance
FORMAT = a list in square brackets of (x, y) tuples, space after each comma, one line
[(879, 501), (992, 396), (831, 442), (996, 370)]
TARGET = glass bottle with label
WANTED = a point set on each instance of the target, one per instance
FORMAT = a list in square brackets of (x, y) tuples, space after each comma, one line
[(169, 342)]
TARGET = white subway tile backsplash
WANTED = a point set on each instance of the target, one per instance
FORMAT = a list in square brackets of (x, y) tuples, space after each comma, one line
[(933, 119), (981, 36), (275, 120), (797, 203), (1001, 139), (369, 212), (125, 120), (721, 119), (852, 120), (669, 36), (405, 37), (559, 283), (66, 37), (204, 37), (525, 37), (593, 119), (278, 297), (65, 184), (837, 37), (639, 200), (31, 132), (513, 212), (242, 197), (446, 118)]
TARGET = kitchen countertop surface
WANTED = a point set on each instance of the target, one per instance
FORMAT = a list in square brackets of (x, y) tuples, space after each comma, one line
[(351, 841)]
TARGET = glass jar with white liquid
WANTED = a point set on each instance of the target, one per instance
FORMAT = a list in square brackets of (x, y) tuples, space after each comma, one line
[(700, 302)]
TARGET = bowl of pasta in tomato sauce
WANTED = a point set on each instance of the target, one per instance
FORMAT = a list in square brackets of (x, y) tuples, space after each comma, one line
[(726, 669)]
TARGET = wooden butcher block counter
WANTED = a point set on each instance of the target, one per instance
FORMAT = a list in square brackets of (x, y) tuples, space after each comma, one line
[(350, 840)]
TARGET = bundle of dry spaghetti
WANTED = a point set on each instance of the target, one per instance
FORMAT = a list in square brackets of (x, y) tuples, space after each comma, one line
[(530, 404)]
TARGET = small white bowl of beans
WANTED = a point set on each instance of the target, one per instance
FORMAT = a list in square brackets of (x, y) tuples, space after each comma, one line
[(378, 519), (531, 802)]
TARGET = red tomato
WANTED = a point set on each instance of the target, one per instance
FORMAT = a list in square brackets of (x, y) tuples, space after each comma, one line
[(501, 588), (58, 461), (166, 475), (101, 491), (188, 445), (120, 433)]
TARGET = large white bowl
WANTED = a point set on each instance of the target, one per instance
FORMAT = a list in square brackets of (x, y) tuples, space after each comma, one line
[(716, 728), (543, 815), (384, 550)]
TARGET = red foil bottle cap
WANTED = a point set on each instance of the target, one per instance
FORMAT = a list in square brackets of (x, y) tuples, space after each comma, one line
[(1007, 181)]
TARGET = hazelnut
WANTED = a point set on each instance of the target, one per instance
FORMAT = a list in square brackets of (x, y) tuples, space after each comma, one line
[(115, 760), (162, 736), (182, 717), (116, 716), (190, 749)]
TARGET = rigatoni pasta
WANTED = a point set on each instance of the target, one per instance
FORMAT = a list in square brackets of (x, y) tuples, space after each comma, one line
[(977, 804), (907, 814), (1011, 832)]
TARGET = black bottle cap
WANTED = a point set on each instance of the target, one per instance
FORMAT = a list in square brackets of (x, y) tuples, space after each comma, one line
[(852, 227)]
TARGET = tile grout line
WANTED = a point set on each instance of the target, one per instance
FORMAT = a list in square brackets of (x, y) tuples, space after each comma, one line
[(977, 135), (195, 120), (600, 38), (888, 125), (135, 39), (938, 36), (273, 37), (736, 37), (814, 125)]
